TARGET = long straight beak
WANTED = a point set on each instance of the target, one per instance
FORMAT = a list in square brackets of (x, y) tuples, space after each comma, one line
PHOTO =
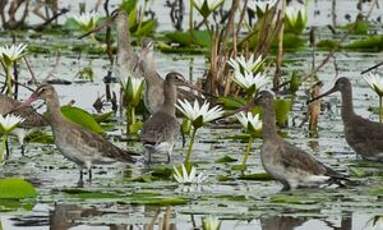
[(190, 85), (333, 90)]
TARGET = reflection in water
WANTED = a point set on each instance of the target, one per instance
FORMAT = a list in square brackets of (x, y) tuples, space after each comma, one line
[(64, 216), (281, 222), (290, 223)]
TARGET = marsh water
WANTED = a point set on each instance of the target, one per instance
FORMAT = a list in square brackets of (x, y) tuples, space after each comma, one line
[(111, 201)]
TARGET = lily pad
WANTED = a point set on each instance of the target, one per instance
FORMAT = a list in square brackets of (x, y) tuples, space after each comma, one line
[(226, 159), (16, 188), (292, 199), (84, 194), (154, 199), (82, 118)]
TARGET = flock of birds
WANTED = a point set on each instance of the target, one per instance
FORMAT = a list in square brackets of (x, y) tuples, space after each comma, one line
[(286, 163)]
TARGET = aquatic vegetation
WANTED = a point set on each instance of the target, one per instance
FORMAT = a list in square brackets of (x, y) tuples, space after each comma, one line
[(16, 193), (82, 118), (260, 6), (185, 176), (7, 125), (206, 7), (376, 83), (199, 115), (133, 92), (296, 18), (246, 65), (9, 55), (211, 223), (252, 125)]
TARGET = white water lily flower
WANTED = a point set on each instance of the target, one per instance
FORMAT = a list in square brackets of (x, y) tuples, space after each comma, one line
[(183, 177), (249, 80), (294, 13), (375, 82), (205, 7), (9, 122), (242, 64), (211, 223), (249, 121), (260, 4), (133, 88), (12, 53), (87, 20), (199, 115)]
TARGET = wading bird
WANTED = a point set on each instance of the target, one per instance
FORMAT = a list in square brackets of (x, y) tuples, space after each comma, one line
[(77, 144), (161, 129), (363, 135), (32, 119), (291, 166)]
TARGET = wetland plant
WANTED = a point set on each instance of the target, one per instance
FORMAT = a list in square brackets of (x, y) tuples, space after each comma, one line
[(184, 176), (199, 115), (211, 223), (7, 125), (87, 22), (9, 55), (376, 83), (132, 90), (252, 126)]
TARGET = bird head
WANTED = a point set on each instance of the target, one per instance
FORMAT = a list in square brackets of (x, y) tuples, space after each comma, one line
[(341, 84)]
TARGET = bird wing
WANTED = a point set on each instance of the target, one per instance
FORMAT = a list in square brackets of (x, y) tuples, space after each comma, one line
[(159, 128), (32, 118), (297, 158), (365, 136), (103, 146)]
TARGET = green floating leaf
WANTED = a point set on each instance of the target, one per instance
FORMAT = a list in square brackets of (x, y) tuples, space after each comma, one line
[(9, 205), (103, 117), (224, 178), (84, 194), (257, 177), (328, 44), (232, 197), (82, 118), (154, 199), (239, 167), (376, 191), (371, 43), (359, 27), (16, 188), (226, 159), (39, 137), (186, 39), (231, 103), (293, 199), (165, 48)]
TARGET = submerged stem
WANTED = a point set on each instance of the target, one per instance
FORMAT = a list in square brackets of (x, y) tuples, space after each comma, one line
[(247, 153), (188, 155), (9, 79)]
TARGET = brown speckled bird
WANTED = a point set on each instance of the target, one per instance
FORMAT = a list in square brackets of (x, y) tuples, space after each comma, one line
[(290, 165), (79, 145), (363, 135), (161, 129)]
